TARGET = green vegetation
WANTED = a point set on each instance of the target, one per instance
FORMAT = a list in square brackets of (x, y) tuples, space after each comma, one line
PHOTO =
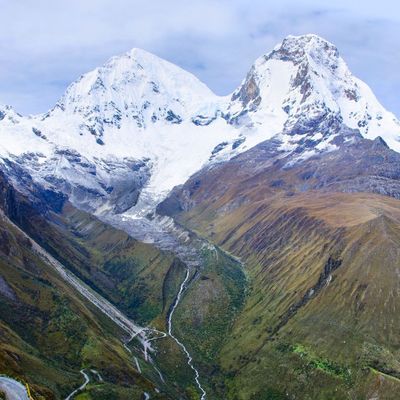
[(45, 329), (323, 364), (311, 315), (128, 273)]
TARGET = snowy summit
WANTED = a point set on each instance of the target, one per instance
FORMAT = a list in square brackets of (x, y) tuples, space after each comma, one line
[(129, 131)]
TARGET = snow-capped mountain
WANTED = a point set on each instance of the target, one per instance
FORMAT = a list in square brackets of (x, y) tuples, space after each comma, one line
[(304, 91), (134, 128), (138, 120)]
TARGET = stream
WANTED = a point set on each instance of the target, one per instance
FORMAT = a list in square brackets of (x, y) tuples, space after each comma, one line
[(180, 344)]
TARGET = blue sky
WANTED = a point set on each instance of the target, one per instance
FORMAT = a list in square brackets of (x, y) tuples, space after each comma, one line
[(46, 44)]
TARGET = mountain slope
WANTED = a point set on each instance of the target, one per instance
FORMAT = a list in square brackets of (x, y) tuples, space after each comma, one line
[(319, 242), (137, 278)]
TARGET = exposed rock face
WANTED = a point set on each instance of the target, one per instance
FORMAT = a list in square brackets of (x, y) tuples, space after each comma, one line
[(110, 185), (248, 92), (296, 48), (324, 279), (6, 290), (308, 88)]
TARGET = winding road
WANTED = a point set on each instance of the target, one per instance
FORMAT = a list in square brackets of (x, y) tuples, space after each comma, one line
[(13, 389), (80, 388)]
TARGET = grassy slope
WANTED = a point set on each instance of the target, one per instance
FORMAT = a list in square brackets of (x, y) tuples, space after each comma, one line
[(326, 347), (143, 282), (127, 272), (206, 314)]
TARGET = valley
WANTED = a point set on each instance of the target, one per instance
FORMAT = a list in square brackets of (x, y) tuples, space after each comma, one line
[(158, 241)]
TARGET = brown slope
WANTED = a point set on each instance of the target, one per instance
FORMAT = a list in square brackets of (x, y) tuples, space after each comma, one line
[(323, 265)]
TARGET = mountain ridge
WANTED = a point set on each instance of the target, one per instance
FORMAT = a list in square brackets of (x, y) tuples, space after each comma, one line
[(139, 112)]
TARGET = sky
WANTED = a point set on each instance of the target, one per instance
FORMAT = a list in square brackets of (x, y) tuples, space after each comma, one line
[(47, 44)]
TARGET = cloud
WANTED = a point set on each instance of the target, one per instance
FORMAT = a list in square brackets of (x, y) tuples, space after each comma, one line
[(46, 44)]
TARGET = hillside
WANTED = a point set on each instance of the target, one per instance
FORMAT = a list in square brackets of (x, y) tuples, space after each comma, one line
[(320, 318)]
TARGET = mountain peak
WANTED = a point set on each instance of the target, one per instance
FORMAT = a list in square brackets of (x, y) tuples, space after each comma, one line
[(306, 64), (307, 41), (134, 78), (308, 48), (130, 92), (136, 67), (8, 111), (134, 59), (306, 91), (138, 53)]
